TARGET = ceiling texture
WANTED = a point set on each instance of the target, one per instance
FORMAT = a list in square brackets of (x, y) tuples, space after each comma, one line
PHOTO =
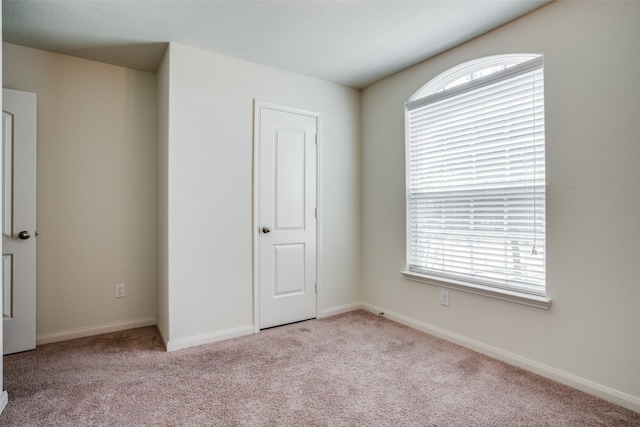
[(352, 43)]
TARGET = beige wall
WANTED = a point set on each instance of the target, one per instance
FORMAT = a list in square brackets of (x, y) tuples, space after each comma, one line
[(96, 191), (590, 335), (210, 189)]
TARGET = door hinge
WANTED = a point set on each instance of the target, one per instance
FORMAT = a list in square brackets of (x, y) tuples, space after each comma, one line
[(316, 213), (316, 287), (316, 139)]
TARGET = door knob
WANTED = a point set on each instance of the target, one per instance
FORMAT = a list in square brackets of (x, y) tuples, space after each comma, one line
[(266, 229), (24, 235)]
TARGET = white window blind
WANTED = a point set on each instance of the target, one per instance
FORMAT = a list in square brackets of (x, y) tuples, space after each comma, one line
[(476, 181)]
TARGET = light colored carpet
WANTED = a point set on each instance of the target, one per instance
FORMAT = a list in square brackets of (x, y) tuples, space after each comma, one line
[(354, 369)]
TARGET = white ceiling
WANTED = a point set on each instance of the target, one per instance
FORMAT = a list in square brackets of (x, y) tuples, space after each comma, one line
[(354, 43)]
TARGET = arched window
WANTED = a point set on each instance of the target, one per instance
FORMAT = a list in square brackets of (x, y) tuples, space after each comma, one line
[(475, 148)]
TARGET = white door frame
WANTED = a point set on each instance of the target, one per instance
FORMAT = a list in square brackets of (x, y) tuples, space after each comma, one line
[(258, 105)]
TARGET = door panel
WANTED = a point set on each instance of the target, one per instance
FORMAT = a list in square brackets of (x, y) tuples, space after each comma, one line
[(19, 221), (7, 286), (289, 185), (286, 249), (289, 269)]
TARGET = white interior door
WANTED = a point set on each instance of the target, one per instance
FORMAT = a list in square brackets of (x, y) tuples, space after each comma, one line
[(19, 220), (286, 155)]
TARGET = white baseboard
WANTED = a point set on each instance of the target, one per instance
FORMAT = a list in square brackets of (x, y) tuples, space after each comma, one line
[(4, 399), (332, 311), (94, 330), (243, 330), (590, 387), (209, 338)]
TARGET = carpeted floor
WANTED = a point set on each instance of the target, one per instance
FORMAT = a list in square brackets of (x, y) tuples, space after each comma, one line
[(354, 369)]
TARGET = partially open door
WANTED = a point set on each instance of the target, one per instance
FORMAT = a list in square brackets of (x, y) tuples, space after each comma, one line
[(19, 220)]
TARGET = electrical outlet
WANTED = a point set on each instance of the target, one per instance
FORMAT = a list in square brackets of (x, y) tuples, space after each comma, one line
[(444, 297), (119, 290)]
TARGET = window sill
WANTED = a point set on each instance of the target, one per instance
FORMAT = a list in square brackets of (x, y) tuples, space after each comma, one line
[(519, 298)]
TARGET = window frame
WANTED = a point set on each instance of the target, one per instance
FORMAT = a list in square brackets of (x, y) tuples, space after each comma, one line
[(434, 88)]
